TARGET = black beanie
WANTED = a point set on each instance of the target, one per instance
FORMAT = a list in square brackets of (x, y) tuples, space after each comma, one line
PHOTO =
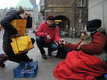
[(51, 18), (93, 25)]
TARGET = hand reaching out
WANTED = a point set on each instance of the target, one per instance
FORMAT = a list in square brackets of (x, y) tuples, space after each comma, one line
[(84, 42), (61, 42), (48, 36)]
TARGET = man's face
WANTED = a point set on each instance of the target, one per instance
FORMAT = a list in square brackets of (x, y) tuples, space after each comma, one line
[(50, 22)]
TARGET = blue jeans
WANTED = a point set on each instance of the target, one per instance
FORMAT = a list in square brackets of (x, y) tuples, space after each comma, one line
[(41, 44)]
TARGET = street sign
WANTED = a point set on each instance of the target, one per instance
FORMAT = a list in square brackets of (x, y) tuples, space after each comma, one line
[(35, 9), (35, 6), (35, 12), (47, 10)]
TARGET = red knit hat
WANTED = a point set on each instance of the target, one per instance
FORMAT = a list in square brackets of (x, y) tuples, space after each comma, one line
[(51, 18)]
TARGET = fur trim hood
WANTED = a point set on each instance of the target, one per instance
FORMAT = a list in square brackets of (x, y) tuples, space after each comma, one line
[(101, 29)]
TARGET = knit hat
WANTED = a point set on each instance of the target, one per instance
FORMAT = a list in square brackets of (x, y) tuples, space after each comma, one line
[(51, 18), (93, 25)]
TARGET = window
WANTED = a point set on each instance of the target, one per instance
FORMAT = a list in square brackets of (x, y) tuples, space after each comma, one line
[(81, 3), (83, 24)]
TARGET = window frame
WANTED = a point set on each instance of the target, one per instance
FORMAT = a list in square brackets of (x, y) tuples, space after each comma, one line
[(81, 3)]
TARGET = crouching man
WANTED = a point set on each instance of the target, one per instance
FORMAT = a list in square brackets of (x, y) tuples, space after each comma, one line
[(47, 35)]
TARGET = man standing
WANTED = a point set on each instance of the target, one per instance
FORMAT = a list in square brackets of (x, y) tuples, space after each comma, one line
[(47, 35)]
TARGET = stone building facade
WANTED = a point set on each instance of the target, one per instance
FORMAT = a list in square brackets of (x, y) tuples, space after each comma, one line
[(70, 15), (98, 10)]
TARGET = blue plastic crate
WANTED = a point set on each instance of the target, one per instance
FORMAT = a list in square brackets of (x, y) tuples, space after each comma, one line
[(105, 75), (26, 69)]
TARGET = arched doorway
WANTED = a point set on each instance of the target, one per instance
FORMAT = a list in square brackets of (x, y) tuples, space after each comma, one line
[(63, 24)]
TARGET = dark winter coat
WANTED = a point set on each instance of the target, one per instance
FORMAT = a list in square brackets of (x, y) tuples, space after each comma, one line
[(9, 29)]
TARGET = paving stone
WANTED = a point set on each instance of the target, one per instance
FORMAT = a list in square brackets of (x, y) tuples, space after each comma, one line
[(45, 66)]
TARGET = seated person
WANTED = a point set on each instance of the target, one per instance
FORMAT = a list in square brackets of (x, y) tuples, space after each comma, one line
[(86, 63)]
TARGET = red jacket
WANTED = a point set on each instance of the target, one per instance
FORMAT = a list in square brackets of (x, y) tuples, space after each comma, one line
[(95, 47), (44, 29)]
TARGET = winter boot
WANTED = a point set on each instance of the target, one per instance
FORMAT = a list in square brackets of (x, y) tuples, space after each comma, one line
[(3, 58)]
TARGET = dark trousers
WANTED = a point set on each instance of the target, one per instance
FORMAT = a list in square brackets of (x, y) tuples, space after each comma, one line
[(16, 58), (41, 44)]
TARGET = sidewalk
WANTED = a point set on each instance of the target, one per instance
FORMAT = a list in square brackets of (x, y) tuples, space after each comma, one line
[(45, 66)]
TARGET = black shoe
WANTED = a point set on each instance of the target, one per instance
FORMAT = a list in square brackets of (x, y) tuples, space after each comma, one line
[(3, 58), (31, 60), (49, 54), (2, 65), (44, 56), (57, 56)]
